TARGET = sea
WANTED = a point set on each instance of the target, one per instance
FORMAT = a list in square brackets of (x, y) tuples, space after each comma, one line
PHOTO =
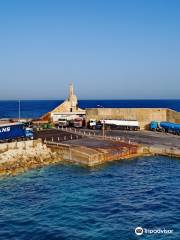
[(36, 108), (68, 202)]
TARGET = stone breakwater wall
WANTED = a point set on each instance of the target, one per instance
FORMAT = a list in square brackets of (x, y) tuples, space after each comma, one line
[(18, 157), (160, 150), (143, 115)]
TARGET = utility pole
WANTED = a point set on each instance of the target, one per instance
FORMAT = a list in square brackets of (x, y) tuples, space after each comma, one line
[(19, 110), (103, 128)]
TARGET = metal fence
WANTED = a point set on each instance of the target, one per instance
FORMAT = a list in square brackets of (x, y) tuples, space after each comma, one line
[(87, 133)]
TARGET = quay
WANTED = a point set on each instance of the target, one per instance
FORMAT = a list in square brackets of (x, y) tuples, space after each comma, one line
[(84, 147), (89, 148), (81, 145)]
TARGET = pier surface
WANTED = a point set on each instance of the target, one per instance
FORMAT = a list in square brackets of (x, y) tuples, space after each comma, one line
[(93, 151), (147, 142), (141, 137), (147, 137), (85, 147)]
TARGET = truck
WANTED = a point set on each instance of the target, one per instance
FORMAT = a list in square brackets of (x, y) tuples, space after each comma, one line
[(115, 124), (78, 122), (63, 122), (95, 125), (167, 127), (14, 131)]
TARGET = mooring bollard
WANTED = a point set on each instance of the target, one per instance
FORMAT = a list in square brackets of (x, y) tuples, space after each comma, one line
[(89, 133), (52, 139), (71, 137), (84, 133), (64, 138), (58, 139)]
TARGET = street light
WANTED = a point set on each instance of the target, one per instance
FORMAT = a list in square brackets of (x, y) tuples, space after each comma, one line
[(19, 106), (103, 128)]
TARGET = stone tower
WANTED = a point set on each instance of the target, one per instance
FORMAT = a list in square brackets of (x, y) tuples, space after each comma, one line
[(67, 110), (72, 98)]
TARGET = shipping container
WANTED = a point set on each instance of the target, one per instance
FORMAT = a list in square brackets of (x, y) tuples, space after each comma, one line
[(14, 131)]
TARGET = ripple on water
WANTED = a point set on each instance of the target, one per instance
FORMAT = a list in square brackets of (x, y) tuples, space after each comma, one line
[(108, 202)]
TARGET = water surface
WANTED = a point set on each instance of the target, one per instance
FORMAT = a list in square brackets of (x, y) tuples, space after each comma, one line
[(108, 202), (36, 108)]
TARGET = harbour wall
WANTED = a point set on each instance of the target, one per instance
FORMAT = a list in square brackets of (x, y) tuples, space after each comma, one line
[(17, 157), (143, 115), (91, 157), (160, 150)]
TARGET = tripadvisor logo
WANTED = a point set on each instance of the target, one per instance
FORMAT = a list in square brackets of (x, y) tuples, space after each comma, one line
[(139, 231)]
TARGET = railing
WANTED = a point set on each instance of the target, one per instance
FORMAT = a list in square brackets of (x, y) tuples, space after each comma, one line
[(87, 133), (70, 149)]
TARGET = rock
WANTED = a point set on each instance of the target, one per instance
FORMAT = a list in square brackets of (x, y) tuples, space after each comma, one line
[(22, 158)]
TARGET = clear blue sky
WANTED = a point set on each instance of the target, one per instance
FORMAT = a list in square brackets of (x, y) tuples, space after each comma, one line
[(109, 48)]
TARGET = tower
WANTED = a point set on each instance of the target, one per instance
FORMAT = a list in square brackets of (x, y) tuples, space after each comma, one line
[(72, 98), (71, 91)]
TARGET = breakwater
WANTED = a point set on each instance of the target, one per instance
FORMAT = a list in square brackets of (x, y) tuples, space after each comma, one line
[(143, 115), (18, 157), (160, 150)]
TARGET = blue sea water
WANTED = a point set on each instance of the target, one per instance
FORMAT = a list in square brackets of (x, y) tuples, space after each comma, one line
[(106, 203), (36, 108)]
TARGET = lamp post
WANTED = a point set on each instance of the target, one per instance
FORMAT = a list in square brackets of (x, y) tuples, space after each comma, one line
[(19, 110), (103, 128)]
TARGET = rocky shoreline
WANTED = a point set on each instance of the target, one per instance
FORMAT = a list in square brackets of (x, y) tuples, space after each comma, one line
[(26, 156)]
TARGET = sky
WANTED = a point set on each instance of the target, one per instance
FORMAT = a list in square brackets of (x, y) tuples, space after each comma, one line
[(110, 49)]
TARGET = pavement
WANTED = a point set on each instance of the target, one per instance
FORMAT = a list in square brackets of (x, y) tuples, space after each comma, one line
[(55, 134), (146, 137), (141, 137)]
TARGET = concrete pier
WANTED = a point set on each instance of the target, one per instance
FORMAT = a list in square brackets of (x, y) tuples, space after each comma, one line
[(91, 152), (85, 147)]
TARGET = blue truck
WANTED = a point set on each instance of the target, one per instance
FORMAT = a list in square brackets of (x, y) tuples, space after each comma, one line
[(12, 131), (165, 127)]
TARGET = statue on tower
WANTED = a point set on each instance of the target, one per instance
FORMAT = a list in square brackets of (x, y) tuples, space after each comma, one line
[(72, 98)]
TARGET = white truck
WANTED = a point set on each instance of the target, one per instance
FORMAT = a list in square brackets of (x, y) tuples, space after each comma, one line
[(115, 124)]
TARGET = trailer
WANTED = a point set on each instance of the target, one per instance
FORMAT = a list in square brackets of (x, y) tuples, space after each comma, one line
[(13, 131), (121, 124), (115, 124), (167, 127)]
